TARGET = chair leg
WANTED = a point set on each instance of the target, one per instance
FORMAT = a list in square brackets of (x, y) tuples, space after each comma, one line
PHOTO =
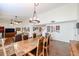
[(47, 52), (43, 51)]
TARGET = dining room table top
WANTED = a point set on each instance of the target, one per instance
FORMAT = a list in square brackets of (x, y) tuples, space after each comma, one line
[(25, 46), (20, 48)]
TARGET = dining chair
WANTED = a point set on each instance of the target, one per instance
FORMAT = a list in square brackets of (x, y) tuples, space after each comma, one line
[(2, 50), (9, 40), (18, 37), (34, 35), (7, 47), (25, 37), (39, 51), (9, 44), (46, 44)]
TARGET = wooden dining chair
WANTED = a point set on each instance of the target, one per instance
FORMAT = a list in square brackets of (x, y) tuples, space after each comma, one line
[(9, 44), (46, 45), (39, 51), (6, 46), (34, 35), (9, 40), (18, 37), (25, 37), (3, 50), (40, 47)]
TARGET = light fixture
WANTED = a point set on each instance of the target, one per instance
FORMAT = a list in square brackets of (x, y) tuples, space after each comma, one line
[(34, 18), (11, 21), (15, 21)]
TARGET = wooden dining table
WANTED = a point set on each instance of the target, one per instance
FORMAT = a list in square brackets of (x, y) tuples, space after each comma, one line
[(25, 46), (20, 48)]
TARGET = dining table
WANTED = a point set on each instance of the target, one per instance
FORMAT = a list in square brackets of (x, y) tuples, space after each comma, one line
[(25, 46), (22, 47)]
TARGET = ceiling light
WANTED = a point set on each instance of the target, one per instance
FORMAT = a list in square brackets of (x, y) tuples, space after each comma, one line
[(34, 18), (15, 21)]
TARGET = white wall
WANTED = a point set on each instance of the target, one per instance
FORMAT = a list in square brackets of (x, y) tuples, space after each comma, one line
[(64, 13), (67, 31), (77, 19)]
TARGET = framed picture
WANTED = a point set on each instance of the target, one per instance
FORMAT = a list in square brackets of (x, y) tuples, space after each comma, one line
[(35, 28), (57, 28), (18, 29), (40, 29), (52, 29), (48, 28)]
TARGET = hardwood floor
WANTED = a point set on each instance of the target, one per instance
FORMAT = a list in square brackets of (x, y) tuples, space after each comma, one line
[(58, 48)]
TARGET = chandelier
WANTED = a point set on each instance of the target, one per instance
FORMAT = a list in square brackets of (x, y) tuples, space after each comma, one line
[(34, 18), (15, 21)]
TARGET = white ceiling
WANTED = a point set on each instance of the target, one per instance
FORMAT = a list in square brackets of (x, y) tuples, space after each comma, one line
[(26, 9)]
